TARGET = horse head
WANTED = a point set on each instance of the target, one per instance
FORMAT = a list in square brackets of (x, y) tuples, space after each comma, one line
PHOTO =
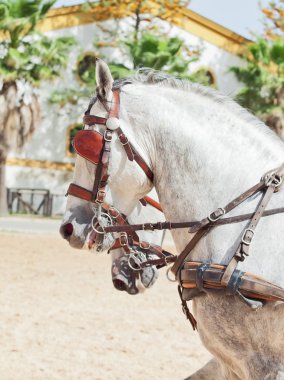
[(125, 184), (105, 175)]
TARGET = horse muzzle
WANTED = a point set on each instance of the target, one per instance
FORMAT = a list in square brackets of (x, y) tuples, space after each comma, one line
[(75, 234)]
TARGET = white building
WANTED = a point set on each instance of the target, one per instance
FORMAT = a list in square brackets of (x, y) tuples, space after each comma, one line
[(46, 162)]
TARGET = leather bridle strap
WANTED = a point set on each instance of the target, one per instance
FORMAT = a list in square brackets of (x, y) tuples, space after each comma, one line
[(164, 257), (193, 226), (86, 195), (80, 192), (102, 175), (213, 218), (92, 120), (120, 219), (131, 152)]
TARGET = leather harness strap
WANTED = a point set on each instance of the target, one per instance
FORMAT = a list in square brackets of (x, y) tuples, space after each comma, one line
[(205, 226), (250, 285), (247, 237)]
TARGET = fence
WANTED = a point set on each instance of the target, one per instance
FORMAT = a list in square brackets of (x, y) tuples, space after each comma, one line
[(34, 201)]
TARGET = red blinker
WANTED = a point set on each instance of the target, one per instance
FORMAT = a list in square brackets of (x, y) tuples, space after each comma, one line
[(89, 145)]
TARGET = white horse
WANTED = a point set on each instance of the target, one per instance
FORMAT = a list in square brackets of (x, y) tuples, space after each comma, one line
[(204, 150)]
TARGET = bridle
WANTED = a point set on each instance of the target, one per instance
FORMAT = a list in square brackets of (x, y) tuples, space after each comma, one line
[(96, 148), (193, 277)]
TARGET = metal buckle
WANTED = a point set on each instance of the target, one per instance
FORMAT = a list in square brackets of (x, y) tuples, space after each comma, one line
[(212, 219), (166, 259), (244, 241), (100, 196), (168, 275), (147, 246), (136, 261), (108, 135), (148, 227), (101, 231), (123, 239), (113, 209), (95, 225), (273, 179)]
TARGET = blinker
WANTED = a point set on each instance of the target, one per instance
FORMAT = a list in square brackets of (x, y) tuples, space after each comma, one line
[(89, 145)]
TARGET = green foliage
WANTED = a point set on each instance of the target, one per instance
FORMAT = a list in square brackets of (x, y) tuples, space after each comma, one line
[(18, 18), (147, 45), (263, 77), (72, 132), (158, 52), (26, 54), (141, 48), (86, 68), (70, 95)]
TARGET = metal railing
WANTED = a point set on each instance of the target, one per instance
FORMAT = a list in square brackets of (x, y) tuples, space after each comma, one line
[(30, 201)]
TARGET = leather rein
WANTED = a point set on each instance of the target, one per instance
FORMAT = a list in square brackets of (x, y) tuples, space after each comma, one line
[(193, 277)]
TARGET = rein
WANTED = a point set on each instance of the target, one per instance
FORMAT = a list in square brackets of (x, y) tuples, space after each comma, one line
[(193, 277)]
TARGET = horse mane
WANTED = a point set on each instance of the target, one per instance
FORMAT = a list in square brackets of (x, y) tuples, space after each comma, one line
[(147, 76), (153, 77)]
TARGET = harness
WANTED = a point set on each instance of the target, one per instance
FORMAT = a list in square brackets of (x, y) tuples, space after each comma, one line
[(194, 278)]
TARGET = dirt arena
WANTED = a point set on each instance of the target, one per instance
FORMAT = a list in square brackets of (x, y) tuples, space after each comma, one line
[(61, 318)]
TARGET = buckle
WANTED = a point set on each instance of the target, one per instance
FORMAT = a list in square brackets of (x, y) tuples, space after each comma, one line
[(144, 245), (114, 213), (148, 226), (171, 279), (166, 258), (123, 239), (273, 179), (108, 135), (245, 238), (100, 196), (213, 216), (136, 264), (99, 229)]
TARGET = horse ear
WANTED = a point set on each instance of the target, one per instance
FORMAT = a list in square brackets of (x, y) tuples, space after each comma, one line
[(103, 78)]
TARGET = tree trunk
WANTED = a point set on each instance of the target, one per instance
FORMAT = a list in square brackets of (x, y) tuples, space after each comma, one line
[(3, 191)]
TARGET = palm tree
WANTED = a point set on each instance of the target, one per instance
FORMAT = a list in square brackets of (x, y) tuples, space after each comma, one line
[(26, 59)]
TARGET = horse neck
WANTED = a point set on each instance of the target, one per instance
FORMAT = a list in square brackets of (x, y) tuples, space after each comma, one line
[(205, 152)]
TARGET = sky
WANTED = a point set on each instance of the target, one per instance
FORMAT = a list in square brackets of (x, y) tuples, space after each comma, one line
[(241, 16)]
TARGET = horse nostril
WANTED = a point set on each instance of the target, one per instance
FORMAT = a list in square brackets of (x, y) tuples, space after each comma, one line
[(66, 230)]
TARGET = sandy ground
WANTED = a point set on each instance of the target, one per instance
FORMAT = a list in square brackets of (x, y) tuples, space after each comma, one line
[(61, 318)]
